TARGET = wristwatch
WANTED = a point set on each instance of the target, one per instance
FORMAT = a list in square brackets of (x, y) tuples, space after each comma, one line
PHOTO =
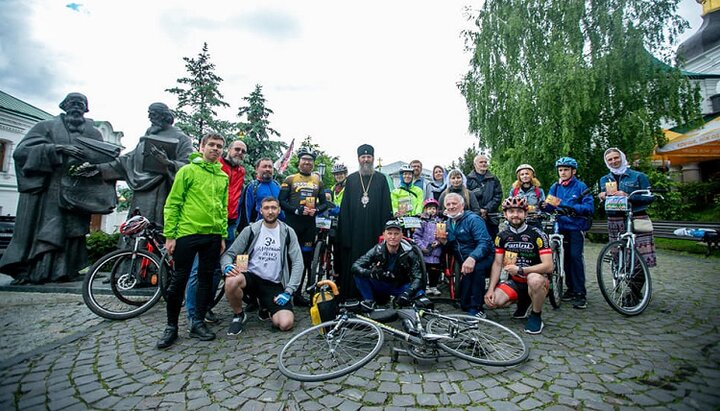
[(521, 272)]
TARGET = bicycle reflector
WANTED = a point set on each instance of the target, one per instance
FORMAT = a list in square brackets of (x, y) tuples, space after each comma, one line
[(134, 225)]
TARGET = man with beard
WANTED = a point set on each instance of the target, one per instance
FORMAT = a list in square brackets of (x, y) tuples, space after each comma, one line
[(263, 186), (302, 197), (232, 166), (273, 272), (49, 241), (196, 224), (149, 170), (365, 208), (523, 251)]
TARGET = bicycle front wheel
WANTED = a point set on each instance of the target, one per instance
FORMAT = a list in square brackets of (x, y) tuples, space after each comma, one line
[(479, 340), (122, 284), (330, 350), (624, 278), (556, 279)]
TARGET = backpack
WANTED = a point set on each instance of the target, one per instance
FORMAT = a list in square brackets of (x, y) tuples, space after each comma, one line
[(324, 306)]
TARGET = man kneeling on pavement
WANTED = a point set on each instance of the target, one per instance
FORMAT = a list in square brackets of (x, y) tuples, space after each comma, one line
[(524, 252), (273, 272), (391, 268)]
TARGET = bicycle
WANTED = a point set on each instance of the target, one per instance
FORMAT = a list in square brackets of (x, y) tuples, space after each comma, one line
[(557, 277), (335, 348), (322, 265), (622, 274), (126, 283)]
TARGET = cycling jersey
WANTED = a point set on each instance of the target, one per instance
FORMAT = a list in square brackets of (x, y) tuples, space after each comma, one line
[(524, 247), (299, 190)]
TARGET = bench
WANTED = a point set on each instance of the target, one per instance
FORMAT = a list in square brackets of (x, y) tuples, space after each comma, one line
[(665, 229)]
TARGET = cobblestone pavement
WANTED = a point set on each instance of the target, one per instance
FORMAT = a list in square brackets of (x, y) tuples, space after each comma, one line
[(57, 355)]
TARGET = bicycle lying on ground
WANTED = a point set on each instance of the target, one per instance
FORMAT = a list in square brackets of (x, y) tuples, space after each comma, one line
[(622, 274), (125, 283), (335, 348)]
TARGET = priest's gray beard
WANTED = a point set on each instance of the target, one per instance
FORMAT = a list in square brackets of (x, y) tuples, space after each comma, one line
[(366, 169)]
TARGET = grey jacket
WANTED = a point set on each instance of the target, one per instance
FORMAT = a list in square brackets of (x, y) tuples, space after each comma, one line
[(291, 271)]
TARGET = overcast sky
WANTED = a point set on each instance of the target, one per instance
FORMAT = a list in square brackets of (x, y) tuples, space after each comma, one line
[(345, 73)]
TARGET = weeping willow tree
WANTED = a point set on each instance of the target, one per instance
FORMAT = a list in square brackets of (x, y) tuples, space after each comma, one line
[(550, 78)]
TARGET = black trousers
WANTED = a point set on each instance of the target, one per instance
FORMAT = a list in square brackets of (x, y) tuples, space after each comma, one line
[(207, 247)]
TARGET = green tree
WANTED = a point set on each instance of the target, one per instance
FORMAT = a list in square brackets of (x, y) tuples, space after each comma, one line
[(255, 130), (556, 78), (465, 162), (198, 99)]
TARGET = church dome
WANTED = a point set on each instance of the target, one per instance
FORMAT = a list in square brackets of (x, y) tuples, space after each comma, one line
[(707, 37)]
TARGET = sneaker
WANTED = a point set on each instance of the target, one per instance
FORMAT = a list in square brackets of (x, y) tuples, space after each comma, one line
[(567, 296), (523, 309), (580, 302), (534, 324), (299, 300), (201, 332), (211, 317), (236, 325), (476, 313), (433, 291), (264, 314), (367, 305), (169, 336)]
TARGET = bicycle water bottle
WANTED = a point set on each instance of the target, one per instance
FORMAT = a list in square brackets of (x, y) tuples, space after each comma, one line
[(690, 232)]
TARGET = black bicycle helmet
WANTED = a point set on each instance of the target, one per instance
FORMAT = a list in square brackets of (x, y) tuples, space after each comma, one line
[(306, 151)]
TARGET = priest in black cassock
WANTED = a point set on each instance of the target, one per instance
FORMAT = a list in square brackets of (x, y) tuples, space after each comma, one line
[(364, 210)]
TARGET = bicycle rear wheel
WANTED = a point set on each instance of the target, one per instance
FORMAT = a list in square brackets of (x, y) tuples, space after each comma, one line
[(624, 278), (123, 284), (479, 340), (330, 350), (318, 265), (556, 279)]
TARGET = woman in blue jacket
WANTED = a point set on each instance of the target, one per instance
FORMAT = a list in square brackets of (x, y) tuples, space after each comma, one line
[(626, 181)]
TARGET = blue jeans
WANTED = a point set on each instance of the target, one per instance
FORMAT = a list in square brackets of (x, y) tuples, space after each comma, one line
[(574, 264), (472, 290), (370, 288)]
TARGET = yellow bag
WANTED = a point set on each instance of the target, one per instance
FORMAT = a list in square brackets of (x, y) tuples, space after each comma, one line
[(324, 306)]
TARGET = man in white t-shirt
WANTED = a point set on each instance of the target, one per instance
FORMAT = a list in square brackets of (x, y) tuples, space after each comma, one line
[(273, 272)]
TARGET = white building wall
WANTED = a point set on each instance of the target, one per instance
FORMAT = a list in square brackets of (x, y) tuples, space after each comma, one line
[(12, 130)]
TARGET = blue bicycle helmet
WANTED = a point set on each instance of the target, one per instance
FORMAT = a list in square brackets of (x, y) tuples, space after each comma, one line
[(566, 162)]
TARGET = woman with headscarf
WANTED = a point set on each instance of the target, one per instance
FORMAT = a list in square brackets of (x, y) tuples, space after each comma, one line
[(457, 183), (621, 181), (435, 187)]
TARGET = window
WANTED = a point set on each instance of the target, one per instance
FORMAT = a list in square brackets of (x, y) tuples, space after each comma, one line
[(4, 155)]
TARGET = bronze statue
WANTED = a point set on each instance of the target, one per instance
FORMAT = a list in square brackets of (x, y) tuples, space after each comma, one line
[(150, 168), (49, 239)]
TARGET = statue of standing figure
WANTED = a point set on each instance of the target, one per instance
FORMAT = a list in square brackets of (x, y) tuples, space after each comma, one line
[(149, 170), (54, 206)]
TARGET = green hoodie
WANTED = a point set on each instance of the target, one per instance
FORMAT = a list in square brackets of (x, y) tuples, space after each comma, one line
[(197, 203)]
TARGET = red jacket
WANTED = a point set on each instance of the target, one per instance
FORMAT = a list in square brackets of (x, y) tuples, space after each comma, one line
[(237, 177)]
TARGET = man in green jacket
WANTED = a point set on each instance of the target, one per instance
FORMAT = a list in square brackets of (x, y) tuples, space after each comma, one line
[(195, 223)]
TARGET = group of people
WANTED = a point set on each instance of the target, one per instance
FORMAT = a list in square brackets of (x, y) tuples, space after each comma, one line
[(260, 235)]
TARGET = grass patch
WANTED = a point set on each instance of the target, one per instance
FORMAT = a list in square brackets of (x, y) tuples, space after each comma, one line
[(686, 246)]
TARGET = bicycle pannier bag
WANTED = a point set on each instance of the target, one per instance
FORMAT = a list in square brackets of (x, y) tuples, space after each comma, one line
[(642, 225), (324, 307)]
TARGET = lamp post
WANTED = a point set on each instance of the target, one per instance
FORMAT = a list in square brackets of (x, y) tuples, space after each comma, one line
[(321, 170)]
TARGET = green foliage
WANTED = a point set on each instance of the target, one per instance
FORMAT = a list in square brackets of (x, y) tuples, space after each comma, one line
[(99, 243), (465, 162), (556, 78), (198, 98), (322, 158), (671, 206), (256, 132), (125, 196)]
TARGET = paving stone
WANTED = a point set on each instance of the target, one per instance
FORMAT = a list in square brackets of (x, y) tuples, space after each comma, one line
[(375, 398)]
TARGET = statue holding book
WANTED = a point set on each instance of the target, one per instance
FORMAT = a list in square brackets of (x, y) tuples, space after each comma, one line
[(149, 169)]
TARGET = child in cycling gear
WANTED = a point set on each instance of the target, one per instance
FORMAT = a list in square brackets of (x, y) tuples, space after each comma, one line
[(407, 198), (425, 238)]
